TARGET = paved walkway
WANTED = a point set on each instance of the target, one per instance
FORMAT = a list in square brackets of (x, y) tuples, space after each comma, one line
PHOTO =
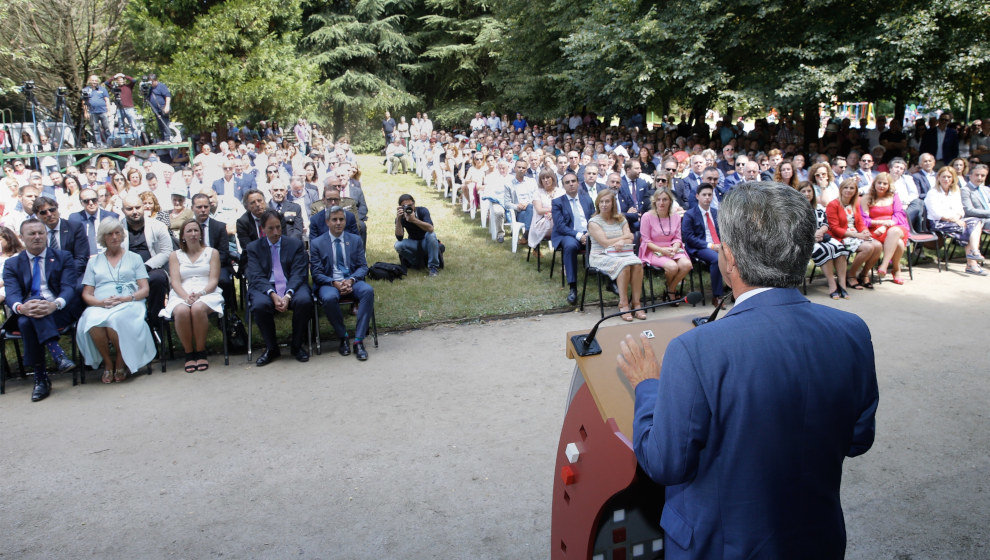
[(443, 443)]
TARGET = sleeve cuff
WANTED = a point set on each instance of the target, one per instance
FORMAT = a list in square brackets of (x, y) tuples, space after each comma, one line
[(59, 303)]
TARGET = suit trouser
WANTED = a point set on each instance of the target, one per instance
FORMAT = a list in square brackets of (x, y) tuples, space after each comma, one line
[(914, 211), (157, 290), (711, 257), (571, 249), (38, 331), (364, 294), (263, 310)]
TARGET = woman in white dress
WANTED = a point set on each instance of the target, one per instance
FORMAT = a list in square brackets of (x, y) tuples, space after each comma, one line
[(115, 286), (194, 271)]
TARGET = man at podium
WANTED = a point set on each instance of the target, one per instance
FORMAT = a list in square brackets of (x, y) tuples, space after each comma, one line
[(749, 418)]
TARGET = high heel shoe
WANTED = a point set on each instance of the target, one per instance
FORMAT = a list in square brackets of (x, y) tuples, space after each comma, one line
[(626, 316), (641, 315)]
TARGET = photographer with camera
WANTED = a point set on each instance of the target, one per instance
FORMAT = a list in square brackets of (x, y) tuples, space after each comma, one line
[(160, 99), (422, 244), (95, 99), (122, 87)]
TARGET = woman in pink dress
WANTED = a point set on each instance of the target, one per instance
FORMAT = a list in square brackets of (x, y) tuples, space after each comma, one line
[(660, 244), (884, 215)]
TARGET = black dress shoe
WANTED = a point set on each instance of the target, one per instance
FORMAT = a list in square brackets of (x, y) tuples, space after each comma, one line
[(360, 352), (301, 355), (268, 357), (572, 296), (345, 346), (65, 364), (612, 287), (42, 388)]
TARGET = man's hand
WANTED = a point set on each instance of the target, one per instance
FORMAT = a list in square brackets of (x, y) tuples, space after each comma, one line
[(345, 287), (37, 308), (637, 361), (281, 303)]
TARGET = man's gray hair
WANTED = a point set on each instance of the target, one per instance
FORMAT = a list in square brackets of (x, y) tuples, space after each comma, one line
[(770, 229)]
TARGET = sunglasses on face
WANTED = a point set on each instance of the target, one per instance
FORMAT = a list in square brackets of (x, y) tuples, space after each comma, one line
[(46, 211), (89, 200), (661, 181)]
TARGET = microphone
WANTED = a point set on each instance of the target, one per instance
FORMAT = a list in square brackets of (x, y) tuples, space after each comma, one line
[(703, 320), (586, 345)]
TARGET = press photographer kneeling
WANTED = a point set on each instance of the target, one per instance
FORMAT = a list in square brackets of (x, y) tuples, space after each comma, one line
[(422, 244)]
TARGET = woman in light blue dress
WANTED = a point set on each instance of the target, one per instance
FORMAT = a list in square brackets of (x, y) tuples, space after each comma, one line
[(115, 286)]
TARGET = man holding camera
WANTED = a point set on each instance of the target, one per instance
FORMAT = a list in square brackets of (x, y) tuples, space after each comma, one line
[(422, 243), (160, 99), (124, 87), (95, 99)]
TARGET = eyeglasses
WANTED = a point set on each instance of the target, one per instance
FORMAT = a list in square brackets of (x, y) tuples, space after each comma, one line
[(89, 200), (46, 211), (661, 180), (670, 169)]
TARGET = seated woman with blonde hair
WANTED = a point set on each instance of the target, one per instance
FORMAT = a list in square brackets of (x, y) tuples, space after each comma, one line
[(612, 254), (115, 286), (885, 217), (660, 243)]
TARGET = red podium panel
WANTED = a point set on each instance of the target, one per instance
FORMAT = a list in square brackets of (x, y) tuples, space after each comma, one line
[(604, 506)]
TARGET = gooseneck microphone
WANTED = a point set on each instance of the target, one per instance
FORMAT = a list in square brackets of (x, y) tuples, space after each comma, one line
[(586, 345), (721, 303)]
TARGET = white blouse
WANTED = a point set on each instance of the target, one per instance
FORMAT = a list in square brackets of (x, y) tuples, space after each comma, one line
[(940, 204)]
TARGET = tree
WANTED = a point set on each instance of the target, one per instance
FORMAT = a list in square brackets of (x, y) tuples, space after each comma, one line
[(359, 47), (226, 60)]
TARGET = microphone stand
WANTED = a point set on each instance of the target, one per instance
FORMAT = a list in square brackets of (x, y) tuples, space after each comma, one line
[(703, 320), (586, 345)]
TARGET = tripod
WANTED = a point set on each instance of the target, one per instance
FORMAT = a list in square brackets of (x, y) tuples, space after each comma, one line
[(29, 100), (64, 118)]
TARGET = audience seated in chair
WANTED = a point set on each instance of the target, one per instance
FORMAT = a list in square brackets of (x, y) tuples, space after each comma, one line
[(571, 213), (660, 243), (151, 240), (699, 227), (612, 252)]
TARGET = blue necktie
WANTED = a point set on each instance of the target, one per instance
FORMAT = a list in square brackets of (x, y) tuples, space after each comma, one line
[(91, 234), (277, 272), (36, 278), (338, 258)]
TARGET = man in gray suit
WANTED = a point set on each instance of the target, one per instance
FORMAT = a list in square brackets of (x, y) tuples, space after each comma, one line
[(976, 195)]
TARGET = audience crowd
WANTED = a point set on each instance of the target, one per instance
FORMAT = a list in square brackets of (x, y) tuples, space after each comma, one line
[(117, 249)]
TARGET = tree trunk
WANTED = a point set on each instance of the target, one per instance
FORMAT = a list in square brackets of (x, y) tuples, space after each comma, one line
[(900, 98), (812, 120), (729, 113), (665, 106)]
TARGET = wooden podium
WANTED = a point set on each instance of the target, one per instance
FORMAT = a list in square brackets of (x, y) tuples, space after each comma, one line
[(604, 506)]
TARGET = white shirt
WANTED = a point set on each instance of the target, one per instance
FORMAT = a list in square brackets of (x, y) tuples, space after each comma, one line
[(906, 189), (704, 219), (338, 274), (580, 220), (750, 293), (938, 151), (940, 204)]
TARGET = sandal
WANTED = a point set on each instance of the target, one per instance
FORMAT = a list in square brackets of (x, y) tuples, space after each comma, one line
[(845, 294), (626, 316), (190, 362), (201, 363), (865, 282), (120, 375), (897, 280), (107, 376), (641, 314), (836, 295), (849, 282)]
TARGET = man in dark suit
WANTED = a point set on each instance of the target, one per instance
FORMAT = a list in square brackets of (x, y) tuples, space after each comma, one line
[(318, 222), (925, 176), (90, 217), (699, 229), (748, 437), (976, 196), (571, 213), (277, 273), (941, 141), (41, 290), (290, 212), (249, 226), (339, 267), (689, 185), (63, 234), (634, 194)]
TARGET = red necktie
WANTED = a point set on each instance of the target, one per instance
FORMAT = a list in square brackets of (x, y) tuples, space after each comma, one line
[(711, 228), (261, 232)]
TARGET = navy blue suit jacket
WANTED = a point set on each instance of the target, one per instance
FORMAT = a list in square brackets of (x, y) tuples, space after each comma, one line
[(72, 238), (60, 274), (563, 218), (642, 197), (318, 224), (686, 190), (950, 144), (101, 214), (321, 258), (693, 229), (291, 212), (923, 184), (291, 254), (243, 184), (748, 426)]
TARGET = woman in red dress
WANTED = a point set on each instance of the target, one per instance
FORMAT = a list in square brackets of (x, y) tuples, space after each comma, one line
[(885, 217)]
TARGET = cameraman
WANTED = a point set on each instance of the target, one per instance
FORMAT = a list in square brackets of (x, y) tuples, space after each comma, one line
[(95, 99), (422, 244), (160, 99), (125, 86)]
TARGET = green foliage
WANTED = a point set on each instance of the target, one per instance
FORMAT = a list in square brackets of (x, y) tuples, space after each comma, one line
[(232, 60)]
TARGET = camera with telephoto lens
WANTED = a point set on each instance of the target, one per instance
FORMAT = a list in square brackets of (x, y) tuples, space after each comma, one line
[(27, 86), (407, 208), (145, 86)]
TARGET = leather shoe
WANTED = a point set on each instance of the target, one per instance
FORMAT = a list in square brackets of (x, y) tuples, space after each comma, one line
[(268, 357), (612, 287), (345, 346), (360, 352), (64, 365), (572, 296), (301, 355), (42, 388)]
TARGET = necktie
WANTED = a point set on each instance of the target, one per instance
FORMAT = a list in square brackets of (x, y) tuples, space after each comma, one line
[(578, 215), (711, 228), (36, 277), (277, 272), (52, 240), (278, 207), (261, 230), (338, 257), (91, 234)]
